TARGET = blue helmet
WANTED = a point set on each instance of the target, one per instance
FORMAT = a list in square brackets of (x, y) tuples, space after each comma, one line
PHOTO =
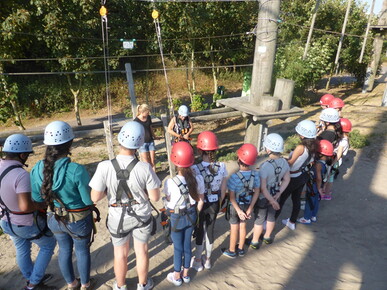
[(17, 143), (132, 135), (58, 132)]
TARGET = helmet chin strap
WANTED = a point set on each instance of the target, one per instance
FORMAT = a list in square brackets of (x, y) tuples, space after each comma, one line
[(23, 160)]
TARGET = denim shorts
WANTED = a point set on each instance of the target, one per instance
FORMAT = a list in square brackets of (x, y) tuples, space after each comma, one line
[(146, 147)]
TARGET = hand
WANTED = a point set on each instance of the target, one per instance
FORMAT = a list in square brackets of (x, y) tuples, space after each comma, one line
[(275, 205), (248, 213), (242, 216), (277, 196), (186, 136)]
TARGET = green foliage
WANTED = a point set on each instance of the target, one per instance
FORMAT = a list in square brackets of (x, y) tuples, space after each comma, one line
[(176, 102), (291, 143), (357, 140), (230, 156), (198, 103), (215, 97)]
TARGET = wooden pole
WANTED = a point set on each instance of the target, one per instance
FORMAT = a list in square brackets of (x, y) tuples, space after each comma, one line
[(367, 31), (129, 77), (109, 138), (284, 91), (168, 146), (311, 30)]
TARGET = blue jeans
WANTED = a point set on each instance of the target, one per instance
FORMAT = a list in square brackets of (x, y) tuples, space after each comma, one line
[(46, 244), (314, 200), (182, 248), (66, 243)]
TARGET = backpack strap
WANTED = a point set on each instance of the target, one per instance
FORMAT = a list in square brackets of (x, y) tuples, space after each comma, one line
[(122, 177)]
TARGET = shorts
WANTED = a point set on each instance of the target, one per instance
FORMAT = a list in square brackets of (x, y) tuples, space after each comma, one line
[(263, 211), (234, 218), (147, 147), (332, 174), (141, 234)]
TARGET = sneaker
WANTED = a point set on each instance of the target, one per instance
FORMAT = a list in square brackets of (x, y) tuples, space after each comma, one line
[(92, 282), (241, 252), (254, 246), (46, 277), (228, 253), (198, 266), (149, 285), (313, 219), (186, 279), (304, 221), (267, 241), (115, 286), (206, 262), (327, 196), (289, 224), (171, 278)]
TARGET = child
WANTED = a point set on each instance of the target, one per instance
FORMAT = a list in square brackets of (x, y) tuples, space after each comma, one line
[(337, 104), (325, 100), (183, 192), (339, 151), (214, 174), (298, 162), (147, 150), (315, 189), (243, 188), (331, 128), (274, 177), (180, 127)]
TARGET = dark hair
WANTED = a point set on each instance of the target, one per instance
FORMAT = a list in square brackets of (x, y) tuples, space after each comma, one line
[(339, 132), (212, 156), (243, 164), (53, 153), (311, 145), (191, 182)]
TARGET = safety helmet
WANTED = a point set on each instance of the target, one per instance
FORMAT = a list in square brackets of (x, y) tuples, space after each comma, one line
[(325, 148), (183, 111), (247, 154), (346, 125), (326, 99), (17, 143), (182, 154), (274, 142), (131, 135), (307, 129), (330, 115), (336, 103), (207, 141), (57, 132)]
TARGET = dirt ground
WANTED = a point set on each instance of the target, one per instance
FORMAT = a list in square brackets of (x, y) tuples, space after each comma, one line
[(345, 249)]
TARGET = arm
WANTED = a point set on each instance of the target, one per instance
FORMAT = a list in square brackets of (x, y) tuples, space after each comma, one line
[(26, 204), (253, 201), (97, 195), (241, 214), (154, 194), (186, 136), (284, 185), (339, 154), (170, 128), (200, 202), (296, 153), (319, 177), (223, 189)]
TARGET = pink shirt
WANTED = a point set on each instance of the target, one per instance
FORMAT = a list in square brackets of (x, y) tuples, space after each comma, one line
[(15, 182)]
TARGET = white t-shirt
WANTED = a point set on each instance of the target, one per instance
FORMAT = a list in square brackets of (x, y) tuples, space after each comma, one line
[(345, 144), (217, 182), (172, 191), (141, 177), (267, 171)]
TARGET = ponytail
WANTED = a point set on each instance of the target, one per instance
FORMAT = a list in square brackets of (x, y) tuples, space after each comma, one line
[(192, 184), (53, 153)]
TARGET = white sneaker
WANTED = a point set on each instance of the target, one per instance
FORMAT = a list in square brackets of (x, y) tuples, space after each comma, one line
[(206, 262), (304, 221), (171, 278), (198, 266), (115, 287), (149, 285), (313, 219), (289, 224)]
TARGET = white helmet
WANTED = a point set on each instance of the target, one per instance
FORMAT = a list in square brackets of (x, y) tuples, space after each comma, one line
[(183, 111), (132, 135), (330, 115), (18, 143), (58, 132), (307, 129), (274, 142)]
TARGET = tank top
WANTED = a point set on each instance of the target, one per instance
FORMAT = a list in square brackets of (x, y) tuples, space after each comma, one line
[(299, 162)]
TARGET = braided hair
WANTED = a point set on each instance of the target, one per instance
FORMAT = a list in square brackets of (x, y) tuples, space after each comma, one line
[(53, 153), (212, 156), (192, 184)]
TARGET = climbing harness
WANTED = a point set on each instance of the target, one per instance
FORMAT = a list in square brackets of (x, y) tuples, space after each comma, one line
[(208, 178)]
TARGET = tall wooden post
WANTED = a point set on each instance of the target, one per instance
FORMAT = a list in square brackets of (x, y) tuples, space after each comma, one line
[(264, 56), (129, 78), (164, 119)]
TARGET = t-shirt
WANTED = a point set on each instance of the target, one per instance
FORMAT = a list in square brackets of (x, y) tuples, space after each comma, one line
[(221, 173), (345, 144), (147, 127), (234, 183), (142, 178), (328, 135), (267, 171), (15, 182), (172, 191)]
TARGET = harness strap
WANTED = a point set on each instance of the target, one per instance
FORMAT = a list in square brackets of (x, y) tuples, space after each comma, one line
[(122, 177), (303, 166), (208, 177), (277, 172), (248, 186)]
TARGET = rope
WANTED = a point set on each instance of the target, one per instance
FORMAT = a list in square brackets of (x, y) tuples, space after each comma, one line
[(156, 21), (105, 39)]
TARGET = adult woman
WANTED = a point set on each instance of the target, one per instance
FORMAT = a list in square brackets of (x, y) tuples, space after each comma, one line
[(298, 161), (180, 127), (63, 186), (183, 192)]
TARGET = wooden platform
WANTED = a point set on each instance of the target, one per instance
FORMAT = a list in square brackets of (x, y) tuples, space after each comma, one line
[(243, 105)]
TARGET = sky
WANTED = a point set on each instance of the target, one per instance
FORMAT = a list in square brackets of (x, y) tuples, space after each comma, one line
[(378, 5)]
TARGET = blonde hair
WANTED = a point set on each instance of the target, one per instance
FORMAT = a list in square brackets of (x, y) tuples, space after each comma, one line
[(142, 108)]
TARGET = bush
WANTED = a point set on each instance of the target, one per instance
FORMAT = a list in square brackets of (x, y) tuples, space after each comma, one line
[(198, 103), (291, 143), (357, 140), (226, 155), (215, 97)]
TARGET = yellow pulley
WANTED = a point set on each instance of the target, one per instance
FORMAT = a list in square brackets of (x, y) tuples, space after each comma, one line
[(103, 11), (155, 14)]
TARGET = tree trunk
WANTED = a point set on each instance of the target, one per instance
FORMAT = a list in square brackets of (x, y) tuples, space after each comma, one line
[(214, 71), (188, 84), (75, 93), (193, 71)]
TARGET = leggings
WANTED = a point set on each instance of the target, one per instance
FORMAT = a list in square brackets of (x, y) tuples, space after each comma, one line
[(207, 219), (294, 189)]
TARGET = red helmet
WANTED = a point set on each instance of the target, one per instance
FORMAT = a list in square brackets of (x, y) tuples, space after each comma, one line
[(325, 148), (346, 125), (182, 154), (247, 153), (326, 99), (207, 141), (336, 103)]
